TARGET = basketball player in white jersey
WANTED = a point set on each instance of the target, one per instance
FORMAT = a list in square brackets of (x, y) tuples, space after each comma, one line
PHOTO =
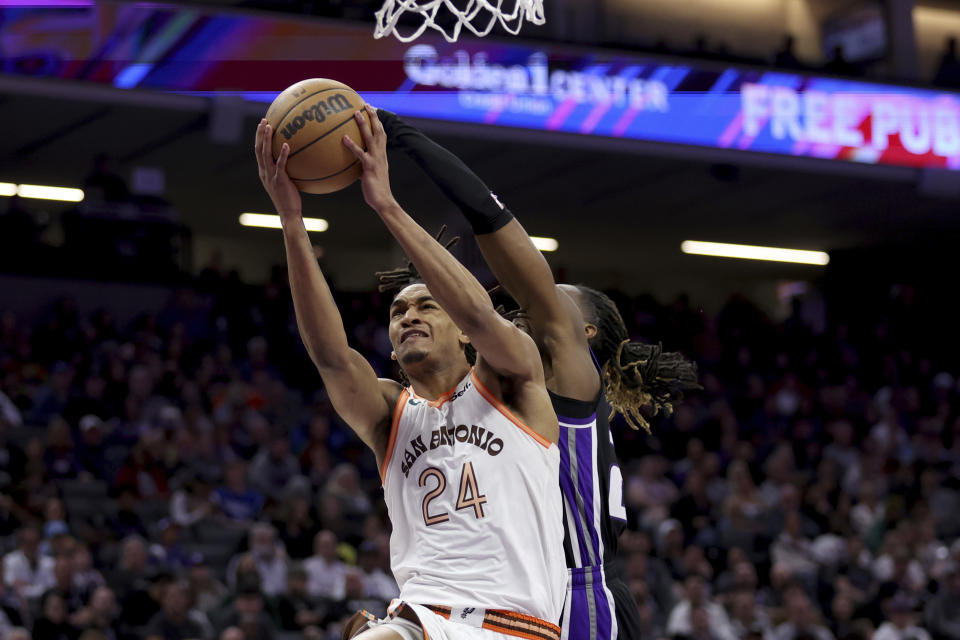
[(467, 454), (590, 366)]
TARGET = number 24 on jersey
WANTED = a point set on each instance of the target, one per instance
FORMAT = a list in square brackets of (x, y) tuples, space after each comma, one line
[(468, 497)]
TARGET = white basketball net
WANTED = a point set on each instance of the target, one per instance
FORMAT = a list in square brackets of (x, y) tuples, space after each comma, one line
[(479, 16)]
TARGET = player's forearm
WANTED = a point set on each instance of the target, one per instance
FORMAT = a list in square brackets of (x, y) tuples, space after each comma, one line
[(455, 288), (523, 271), (508, 250), (462, 186), (318, 318)]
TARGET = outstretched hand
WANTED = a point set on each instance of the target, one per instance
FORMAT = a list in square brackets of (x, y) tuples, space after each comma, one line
[(375, 180), (284, 194)]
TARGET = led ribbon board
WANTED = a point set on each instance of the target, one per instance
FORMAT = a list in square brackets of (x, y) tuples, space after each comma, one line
[(511, 84)]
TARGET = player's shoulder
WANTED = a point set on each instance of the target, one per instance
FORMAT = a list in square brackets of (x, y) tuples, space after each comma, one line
[(523, 399), (390, 390)]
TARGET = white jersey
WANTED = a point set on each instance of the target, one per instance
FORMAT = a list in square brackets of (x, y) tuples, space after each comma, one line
[(475, 505)]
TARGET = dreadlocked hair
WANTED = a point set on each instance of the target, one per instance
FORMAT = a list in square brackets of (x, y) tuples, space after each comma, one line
[(636, 375), (401, 277)]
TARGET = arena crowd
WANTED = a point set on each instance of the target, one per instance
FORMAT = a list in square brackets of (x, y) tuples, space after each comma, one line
[(183, 476)]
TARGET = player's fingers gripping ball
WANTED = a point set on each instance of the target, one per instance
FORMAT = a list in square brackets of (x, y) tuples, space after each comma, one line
[(312, 117)]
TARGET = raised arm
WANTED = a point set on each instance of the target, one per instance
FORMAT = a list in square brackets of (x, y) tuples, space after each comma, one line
[(363, 401), (505, 349), (555, 320)]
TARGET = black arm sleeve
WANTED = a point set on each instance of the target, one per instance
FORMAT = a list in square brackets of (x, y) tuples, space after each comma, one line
[(479, 206)]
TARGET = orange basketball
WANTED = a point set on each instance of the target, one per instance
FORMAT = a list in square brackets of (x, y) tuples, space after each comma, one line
[(312, 117)]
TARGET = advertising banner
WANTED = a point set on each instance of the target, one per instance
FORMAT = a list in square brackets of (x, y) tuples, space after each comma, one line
[(501, 82)]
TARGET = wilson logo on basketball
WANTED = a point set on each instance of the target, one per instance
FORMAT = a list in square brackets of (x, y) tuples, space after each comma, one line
[(317, 112)]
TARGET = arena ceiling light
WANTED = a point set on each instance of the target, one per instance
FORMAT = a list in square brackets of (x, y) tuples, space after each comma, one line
[(545, 244), (270, 221), (41, 192), (751, 252)]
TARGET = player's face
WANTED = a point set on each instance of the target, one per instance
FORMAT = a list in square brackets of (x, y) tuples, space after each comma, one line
[(419, 328), (585, 309)]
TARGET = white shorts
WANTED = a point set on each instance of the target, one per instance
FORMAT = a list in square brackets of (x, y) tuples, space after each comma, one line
[(463, 624)]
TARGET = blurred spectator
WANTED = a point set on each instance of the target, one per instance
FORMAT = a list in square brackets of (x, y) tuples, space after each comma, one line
[(169, 554), (869, 510), (900, 624), (91, 400), (948, 72), (841, 450), (12, 458), (670, 547), (747, 617), (801, 619), (23, 568), (132, 578), (64, 586), (295, 608), (696, 598), (6, 626), (9, 413), (325, 572), (651, 617), (794, 551), (741, 577), (51, 399), (273, 467), (354, 505), (208, 592), (296, 524), (943, 614), (700, 624), (842, 612), (173, 622), (236, 500), (59, 454), (13, 607), (126, 521), (897, 570), (268, 557), (376, 582), (142, 472), (53, 623), (655, 577), (191, 503), (247, 613), (54, 525), (356, 596), (90, 452), (743, 508), (100, 614), (780, 471), (317, 437), (694, 511), (258, 359), (650, 492)]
